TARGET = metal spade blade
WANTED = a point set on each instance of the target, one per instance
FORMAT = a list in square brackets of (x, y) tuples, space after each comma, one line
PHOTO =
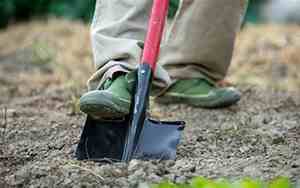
[(106, 139)]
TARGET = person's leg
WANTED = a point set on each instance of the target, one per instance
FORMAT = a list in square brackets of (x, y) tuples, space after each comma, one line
[(200, 45), (202, 38), (118, 30), (119, 27)]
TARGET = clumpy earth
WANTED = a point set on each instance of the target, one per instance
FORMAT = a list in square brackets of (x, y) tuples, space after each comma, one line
[(43, 72)]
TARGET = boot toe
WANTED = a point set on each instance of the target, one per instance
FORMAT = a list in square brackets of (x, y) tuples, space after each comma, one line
[(103, 104)]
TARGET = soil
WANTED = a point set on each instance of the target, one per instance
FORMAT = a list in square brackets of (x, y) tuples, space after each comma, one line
[(40, 83)]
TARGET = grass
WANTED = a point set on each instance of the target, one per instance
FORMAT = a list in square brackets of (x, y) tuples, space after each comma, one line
[(41, 53), (74, 105)]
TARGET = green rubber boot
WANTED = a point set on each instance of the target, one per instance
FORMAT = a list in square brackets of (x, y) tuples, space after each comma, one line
[(112, 102), (200, 93)]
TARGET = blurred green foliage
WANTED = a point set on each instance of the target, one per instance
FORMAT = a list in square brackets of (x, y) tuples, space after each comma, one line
[(22, 10), (73, 9), (254, 10), (7, 10), (200, 182)]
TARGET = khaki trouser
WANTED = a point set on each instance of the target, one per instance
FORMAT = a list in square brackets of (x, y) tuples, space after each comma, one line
[(198, 42)]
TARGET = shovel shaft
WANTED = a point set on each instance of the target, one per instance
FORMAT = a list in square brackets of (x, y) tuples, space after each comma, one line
[(144, 76), (155, 32)]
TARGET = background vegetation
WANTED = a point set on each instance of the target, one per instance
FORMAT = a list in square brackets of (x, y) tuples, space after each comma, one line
[(200, 182), (22, 10)]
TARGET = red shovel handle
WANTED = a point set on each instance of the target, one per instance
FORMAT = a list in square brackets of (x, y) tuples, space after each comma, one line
[(155, 32)]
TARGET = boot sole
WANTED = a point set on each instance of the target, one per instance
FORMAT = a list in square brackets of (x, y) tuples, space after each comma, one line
[(200, 102)]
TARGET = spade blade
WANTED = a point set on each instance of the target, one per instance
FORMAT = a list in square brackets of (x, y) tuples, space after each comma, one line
[(106, 139), (101, 140), (159, 140)]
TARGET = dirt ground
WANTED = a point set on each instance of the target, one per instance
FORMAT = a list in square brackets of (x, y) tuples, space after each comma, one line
[(43, 70)]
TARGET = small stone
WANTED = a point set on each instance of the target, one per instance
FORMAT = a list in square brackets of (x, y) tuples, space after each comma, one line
[(278, 140), (67, 181), (133, 165), (296, 164), (143, 185), (11, 113)]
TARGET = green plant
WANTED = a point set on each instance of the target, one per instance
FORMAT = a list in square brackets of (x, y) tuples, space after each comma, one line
[(201, 182)]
